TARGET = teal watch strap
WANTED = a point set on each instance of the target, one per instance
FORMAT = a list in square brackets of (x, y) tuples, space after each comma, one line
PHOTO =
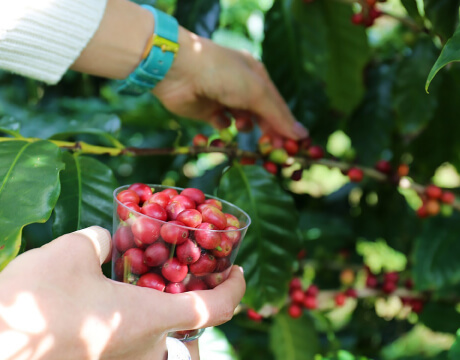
[(154, 67)]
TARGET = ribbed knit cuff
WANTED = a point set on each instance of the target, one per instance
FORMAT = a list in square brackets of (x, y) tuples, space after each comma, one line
[(41, 39)]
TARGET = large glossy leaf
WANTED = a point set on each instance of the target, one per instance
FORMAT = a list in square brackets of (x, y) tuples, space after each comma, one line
[(10, 126), (271, 243), (412, 10), (86, 195), (293, 339), (200, 16), (440, 317), (450, 53), (443, 15), (436, 254), (29, 189), (454, 352), (370, 127), (414, 107)]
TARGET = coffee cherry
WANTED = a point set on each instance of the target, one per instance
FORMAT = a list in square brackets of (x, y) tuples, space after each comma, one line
[(190, 217), (155, 211), (135, 260), (297, 175), (146, 230), (372, 281), (173, 234), (222, 264), (214, 202), (383, 166), (127, 196), (409, 284), (295, 283), (184, 200), (315, 152), (278, 156), (232, 220), (340, 299), (448, 197), (254, 316), (224, 249), (433, 192), (374, 13), (403, 170), (214, 279), (200, 140), (232, 234), (391, 277), (174, 208), (389, 287), (312, 291), (206, 238), (352, 293), (188, 252), (265, 144), (175, 288), (271, 167), (432, 207), (310, 302), (371, 3), (357, 19), (213, 215), (291, 147), (422, 212), (195, 194), (295, 311), (174, 271), (218, 143), (170, 192), (125, 210), (196, 284), (297, 296), (160, 198), (417, 305), (247, 160), (156, 254), (144, 191), (153, 281), (206, 264), (123, 239), (347, 277), (355, 175), (243, 122), (304, 144)]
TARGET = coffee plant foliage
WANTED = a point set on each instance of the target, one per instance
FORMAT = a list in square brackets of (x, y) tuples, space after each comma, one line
[(384, 90)]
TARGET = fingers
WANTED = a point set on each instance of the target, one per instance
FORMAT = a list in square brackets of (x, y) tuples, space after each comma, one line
[(101, 240)]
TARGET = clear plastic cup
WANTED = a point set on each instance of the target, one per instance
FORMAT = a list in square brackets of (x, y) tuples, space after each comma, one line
[(153, 253)]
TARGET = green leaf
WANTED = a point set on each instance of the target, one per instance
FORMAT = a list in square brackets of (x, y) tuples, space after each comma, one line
[(293, 339), (415, 108), (440, 317), (443, 15), (199, 16), (29, 176), (454, 352), (271, 243), (412, 10), (10, 126), (436, 254), (86, 195), (450, 53)]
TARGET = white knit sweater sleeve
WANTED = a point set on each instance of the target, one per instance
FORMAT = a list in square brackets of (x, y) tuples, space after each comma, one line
[(41, 39)]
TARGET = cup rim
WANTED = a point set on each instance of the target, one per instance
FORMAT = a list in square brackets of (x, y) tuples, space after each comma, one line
[(125, 187)]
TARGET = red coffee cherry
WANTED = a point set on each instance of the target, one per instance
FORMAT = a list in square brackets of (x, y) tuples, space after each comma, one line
[(433, 192), (340, 299), (155, 211), (295, 311), (175, 288), (213, 215), (389, 287), (297, 175), (254, 316), (291, 147), (174, 271), (232, 220), (247, 160), (146, 230), (135, 259), (214, 279), (188, 252), (224, 249), (448, 197), (173, 234), (156, 254), (295, 283), (265, 145), (391, 277), (347, 277), (185, 200), (144, 191), (160, 198), (312, 291), (357, 19), (422, 212), (409, 284), (403, 170), (207, 239), (124, 211), (196, 284), (200, 140), (315, 152), (153, 281), (417, 305), (297, 296), (190, 217), (271, 167), (383, 166), (355, 174), (218, 143), (304, 144), (195, 194), (174, 208), (206, 264), (374, 13), (372, 281), (352, 293), (127, 196), (214, 202), (432, 207), (222, 264), (243, 122), (233, 236), (123, 239), (170, 192), (310, 302)]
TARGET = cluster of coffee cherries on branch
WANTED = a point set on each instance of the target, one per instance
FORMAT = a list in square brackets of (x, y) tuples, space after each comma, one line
[(368, 14), (432, 198)]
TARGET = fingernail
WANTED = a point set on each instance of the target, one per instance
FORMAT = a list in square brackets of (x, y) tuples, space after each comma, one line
[(300, 130)]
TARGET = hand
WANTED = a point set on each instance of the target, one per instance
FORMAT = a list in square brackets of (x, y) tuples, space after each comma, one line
[(207, 79), (55, 303)]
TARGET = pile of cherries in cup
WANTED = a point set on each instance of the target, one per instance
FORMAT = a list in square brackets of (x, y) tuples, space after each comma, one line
[(161, 251)]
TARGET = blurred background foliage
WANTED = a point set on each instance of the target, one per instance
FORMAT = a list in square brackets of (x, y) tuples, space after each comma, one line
[(361, 93)]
